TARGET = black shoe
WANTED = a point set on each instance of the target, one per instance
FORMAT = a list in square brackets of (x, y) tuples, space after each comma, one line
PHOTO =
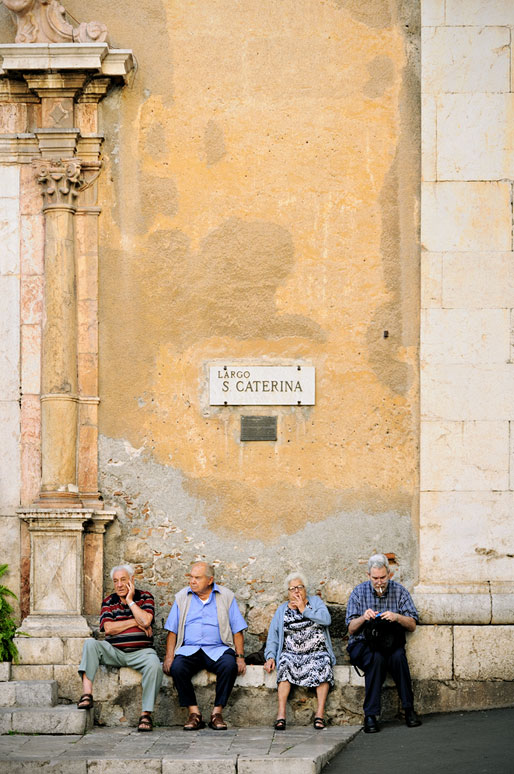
[(370, 725), (411, 719)]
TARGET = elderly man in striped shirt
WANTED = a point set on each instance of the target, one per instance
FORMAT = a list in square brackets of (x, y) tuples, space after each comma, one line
[(126, 617), (379, 613)]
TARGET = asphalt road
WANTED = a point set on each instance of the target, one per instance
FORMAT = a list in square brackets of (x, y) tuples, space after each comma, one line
[(468, 742)]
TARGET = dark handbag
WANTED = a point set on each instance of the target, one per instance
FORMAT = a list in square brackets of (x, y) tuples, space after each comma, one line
[(384, 636)]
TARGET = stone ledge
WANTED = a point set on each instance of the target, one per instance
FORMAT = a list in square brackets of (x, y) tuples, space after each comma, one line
[(19, 57), (453, 668)]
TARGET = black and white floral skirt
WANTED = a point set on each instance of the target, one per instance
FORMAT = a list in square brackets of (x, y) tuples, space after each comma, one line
[(304, 660)]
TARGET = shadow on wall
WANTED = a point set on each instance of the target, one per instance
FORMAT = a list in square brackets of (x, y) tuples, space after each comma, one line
[(226, 289)]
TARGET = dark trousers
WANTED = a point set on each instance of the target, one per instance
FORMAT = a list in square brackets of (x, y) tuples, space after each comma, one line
[(184, 667), (375, 666)]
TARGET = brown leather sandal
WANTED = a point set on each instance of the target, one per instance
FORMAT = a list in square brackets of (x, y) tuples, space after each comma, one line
[(85, 701), (194, 722), (217, 723)]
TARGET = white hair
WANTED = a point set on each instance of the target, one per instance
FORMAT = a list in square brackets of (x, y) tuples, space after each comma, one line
[(297, 574), (208, 568), (378, 560), (127, 567)]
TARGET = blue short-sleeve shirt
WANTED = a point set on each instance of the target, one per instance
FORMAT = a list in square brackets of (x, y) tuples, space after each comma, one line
[(202, 629)]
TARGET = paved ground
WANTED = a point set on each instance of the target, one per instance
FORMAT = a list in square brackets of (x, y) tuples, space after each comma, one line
[(173, 751), (470, 742), (467, 743)]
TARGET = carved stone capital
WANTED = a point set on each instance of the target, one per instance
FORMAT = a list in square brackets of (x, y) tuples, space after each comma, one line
[(95, 90), (60, 181), (99, 521), (14, 91), (44, 21)]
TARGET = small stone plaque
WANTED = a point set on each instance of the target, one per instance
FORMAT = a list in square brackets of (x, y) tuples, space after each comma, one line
[(258, 428)]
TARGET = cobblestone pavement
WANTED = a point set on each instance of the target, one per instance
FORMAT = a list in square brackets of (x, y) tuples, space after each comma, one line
[(298, 750)]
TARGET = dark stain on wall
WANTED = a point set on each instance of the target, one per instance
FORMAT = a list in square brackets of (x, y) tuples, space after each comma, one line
[(226, 289)]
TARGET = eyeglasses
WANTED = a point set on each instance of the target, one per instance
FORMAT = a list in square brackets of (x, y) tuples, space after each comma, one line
[(295, 588)]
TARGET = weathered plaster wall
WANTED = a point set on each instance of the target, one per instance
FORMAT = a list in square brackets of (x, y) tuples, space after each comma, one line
[(260, 194)]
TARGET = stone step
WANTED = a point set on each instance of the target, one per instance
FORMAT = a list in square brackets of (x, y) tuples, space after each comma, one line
[(28, 693), (168, 750), (63, 719)]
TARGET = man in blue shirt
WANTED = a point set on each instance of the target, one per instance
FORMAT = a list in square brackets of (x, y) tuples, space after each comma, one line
[(388, 603), (205, 631)]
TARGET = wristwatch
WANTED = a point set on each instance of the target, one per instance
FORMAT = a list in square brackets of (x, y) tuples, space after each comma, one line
[(240, 655)]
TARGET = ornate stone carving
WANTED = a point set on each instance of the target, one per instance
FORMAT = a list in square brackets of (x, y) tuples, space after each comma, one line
[(44, 21), (60, 180)]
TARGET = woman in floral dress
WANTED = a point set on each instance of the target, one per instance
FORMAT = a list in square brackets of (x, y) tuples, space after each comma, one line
[(299, 647)]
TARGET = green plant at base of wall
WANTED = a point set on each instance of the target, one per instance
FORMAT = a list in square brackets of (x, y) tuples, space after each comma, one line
[(8, 650)]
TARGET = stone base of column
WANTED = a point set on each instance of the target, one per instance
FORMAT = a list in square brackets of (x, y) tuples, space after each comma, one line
[(55, 626), (54, 500), (465, 604), (57, 571)]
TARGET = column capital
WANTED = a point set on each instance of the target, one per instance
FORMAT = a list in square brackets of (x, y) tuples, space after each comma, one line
[(13, 90), (52, 84), (95, 90), (60, 180), (98, 522), (55, 520)]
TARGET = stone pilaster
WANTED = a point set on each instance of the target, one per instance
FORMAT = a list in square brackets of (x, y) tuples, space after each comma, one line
[(93, 561), (466, 568), (49, 97)]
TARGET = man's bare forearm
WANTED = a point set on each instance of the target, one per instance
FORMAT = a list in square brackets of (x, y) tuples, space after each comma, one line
[(171, 642), (116, 627), (239, 642), (355, 624), (143, 617), (406, 621)]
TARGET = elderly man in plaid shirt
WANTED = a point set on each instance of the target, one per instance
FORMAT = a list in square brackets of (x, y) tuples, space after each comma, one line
[(126, 618), (382, 600)]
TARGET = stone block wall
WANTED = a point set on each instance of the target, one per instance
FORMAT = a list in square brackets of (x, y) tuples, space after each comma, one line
[(467, 268)]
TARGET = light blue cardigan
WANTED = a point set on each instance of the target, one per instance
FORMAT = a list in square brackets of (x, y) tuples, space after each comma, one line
[(316, 611)]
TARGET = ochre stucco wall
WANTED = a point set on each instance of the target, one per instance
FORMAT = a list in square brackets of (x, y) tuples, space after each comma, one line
[(260, 204)]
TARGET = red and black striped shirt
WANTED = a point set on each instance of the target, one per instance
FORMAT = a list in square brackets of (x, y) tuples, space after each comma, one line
[(113, 609)]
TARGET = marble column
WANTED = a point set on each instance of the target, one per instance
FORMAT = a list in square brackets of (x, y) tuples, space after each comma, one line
[(60, 181)]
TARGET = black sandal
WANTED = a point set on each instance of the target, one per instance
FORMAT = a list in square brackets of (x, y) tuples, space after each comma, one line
[(85, 701), (280, 724), (145, 723), (319, 724)]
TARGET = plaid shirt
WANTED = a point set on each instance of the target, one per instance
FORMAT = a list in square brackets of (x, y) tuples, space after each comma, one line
[(396, 599)]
